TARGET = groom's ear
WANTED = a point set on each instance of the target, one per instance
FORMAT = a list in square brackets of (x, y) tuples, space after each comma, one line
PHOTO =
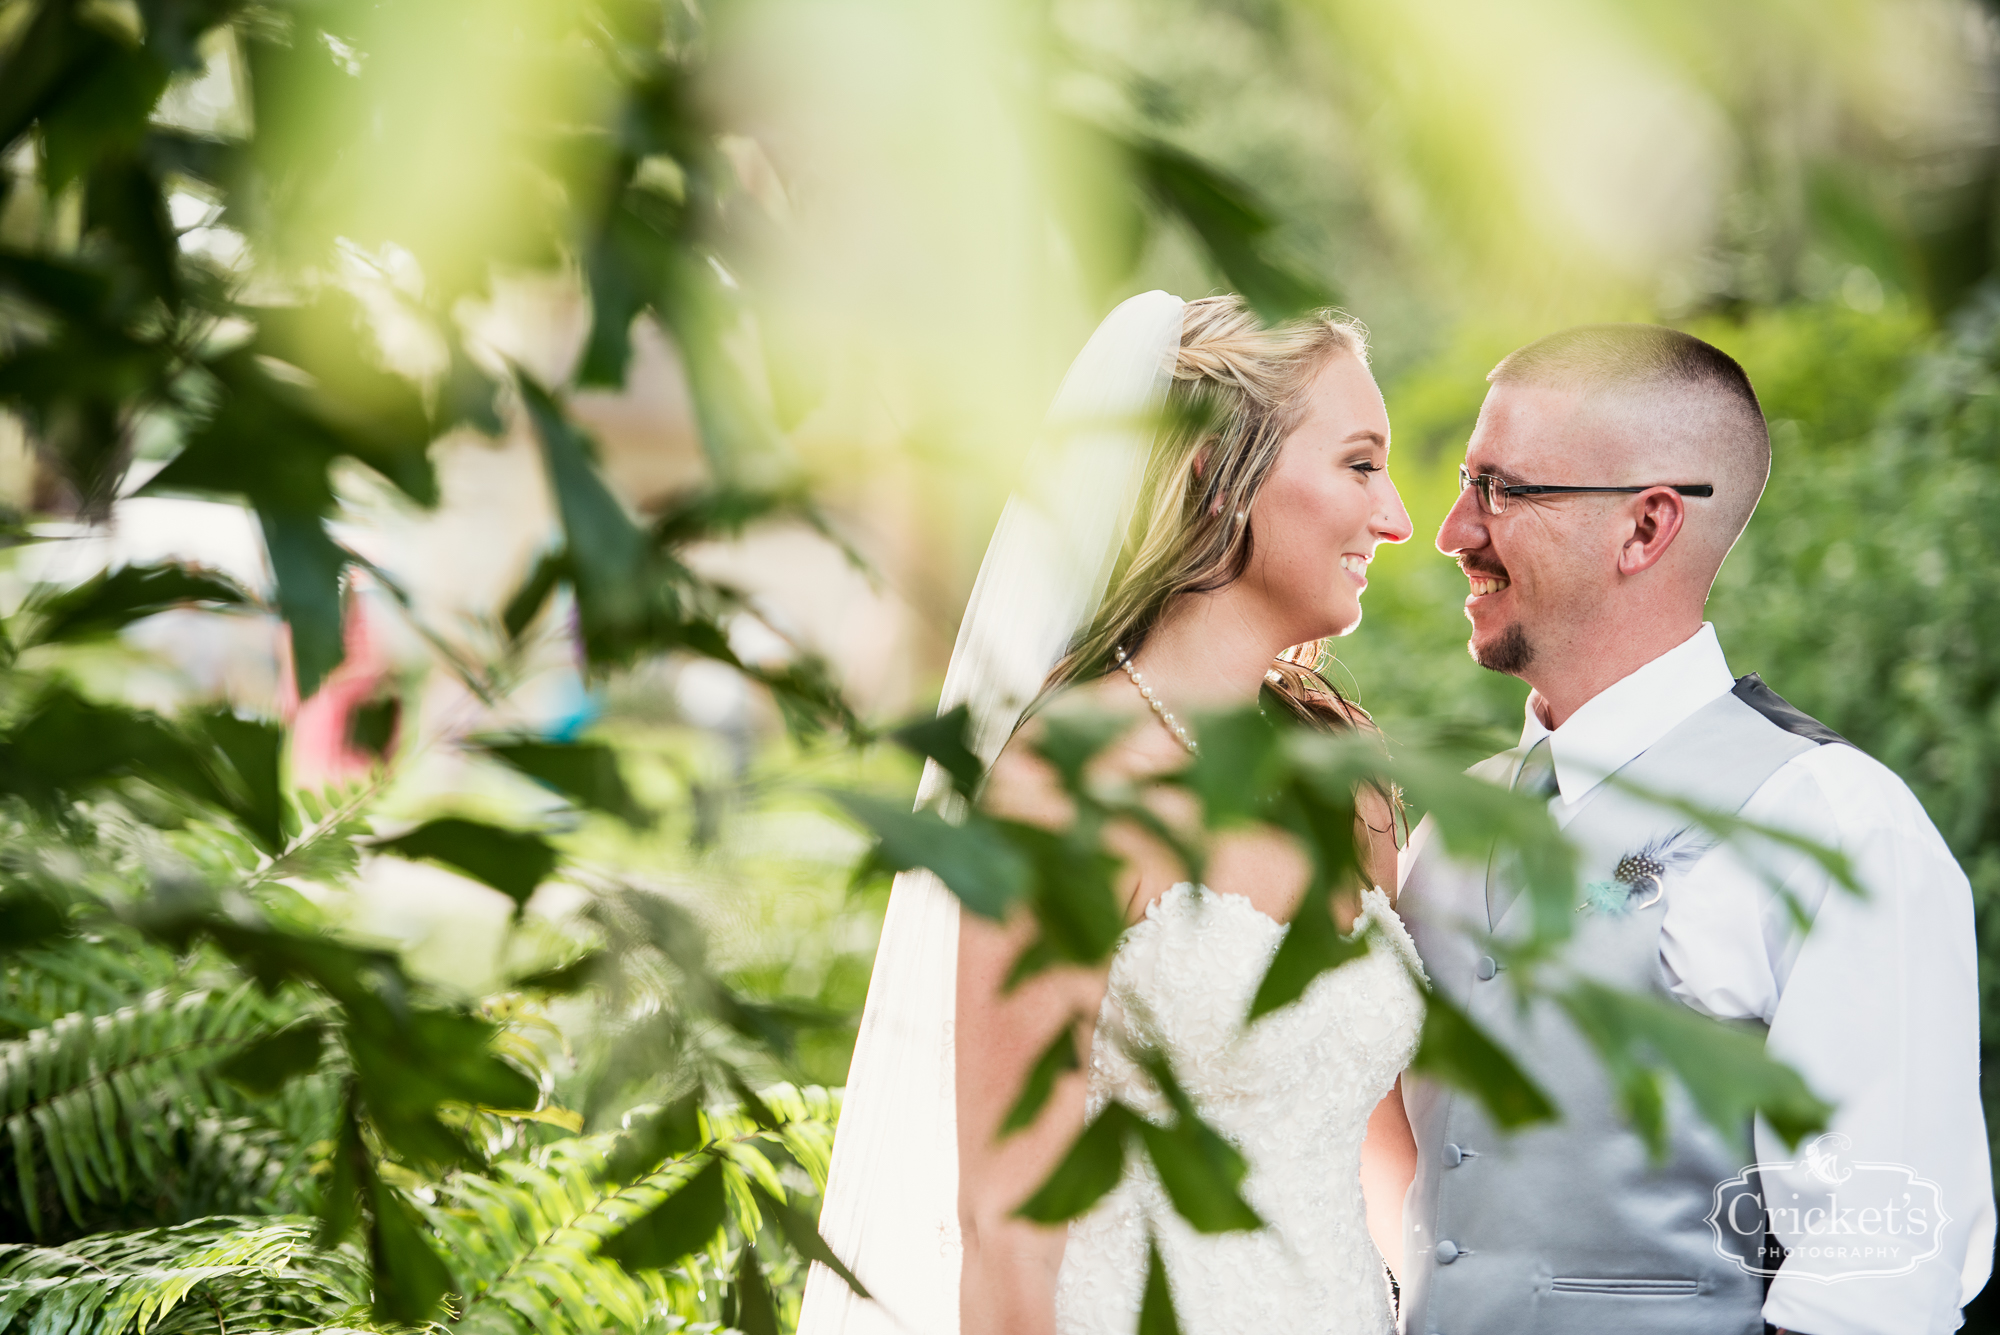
[(1656, 517)]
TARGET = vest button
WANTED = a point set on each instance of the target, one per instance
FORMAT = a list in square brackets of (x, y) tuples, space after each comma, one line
[(1447, 1252), (1486, 968), (1452, 1155)]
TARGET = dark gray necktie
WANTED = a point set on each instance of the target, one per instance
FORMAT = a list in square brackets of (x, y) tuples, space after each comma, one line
[(1535, 778)]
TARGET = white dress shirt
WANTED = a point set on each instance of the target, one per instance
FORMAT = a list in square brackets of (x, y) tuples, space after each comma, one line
[(1877, 1006)]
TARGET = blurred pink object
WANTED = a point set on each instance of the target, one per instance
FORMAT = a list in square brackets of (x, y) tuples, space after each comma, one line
[(325, 748)]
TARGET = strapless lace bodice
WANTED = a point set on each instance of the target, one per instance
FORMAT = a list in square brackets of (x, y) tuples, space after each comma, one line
[(1293, 1092)]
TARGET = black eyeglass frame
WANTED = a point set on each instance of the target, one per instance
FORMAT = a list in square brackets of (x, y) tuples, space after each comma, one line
[(1488, 485)]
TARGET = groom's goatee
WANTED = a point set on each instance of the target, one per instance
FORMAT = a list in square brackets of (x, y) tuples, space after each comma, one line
[(1510, 652)]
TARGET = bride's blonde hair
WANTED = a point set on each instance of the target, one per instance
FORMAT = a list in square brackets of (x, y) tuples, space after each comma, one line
[(1239, 389)]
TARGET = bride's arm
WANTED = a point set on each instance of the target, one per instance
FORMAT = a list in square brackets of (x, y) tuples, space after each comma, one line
[(1388, 1163), (1389, 1154), (1008, 1283), (1009, 1279)]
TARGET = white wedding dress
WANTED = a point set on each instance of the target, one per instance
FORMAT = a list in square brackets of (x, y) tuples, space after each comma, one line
[(1293, 1092)]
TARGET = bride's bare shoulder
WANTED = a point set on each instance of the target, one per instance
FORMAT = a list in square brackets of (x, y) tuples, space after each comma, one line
[(1023, 786)]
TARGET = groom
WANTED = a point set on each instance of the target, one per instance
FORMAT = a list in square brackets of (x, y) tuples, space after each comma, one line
[(1611, 470)]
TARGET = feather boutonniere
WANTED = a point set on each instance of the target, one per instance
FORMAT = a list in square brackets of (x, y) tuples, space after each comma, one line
[(1639, 878)]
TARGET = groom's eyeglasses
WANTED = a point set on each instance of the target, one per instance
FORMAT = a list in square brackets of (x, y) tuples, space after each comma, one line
[(1493, 493)]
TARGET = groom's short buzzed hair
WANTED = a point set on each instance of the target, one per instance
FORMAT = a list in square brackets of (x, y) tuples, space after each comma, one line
[(1611, 354), (1695, 396)]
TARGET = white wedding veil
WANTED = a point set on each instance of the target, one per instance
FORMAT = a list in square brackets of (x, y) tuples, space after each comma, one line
[(891, 1208)]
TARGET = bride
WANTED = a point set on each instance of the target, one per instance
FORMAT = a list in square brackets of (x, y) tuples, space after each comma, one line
[(1155, 573)]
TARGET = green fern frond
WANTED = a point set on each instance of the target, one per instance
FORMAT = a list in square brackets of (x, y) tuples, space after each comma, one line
[(239, 1165), (87, 975), (524, 1243), (235, 1272), (96, 1099), (806, 1118)]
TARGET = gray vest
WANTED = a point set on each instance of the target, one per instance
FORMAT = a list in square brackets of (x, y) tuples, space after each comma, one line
[(1570, 1227)]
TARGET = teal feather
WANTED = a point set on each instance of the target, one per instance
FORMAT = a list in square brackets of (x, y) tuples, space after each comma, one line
[(1607, 897)]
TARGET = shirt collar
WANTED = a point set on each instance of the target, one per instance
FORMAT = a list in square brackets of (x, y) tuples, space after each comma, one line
[(1631, 714)]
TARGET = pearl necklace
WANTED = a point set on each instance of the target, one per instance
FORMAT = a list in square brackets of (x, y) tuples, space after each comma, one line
[(1167, 719)]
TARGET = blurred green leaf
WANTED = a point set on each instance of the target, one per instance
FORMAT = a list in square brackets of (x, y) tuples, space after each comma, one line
[(804, 1237), (408, 1059), (173, 28), (771, 1024), (713, 512), (1312, 945), (340, 1199), (564, 979), (1484, 815), (1238, 767), (1200, 1170), (550, 569), (373, 726), (975, 860), (1071, 738), (251, 771), (684, 1222), (408, 1065), (59, 286), (468, 396), (64, 746), (753, 1106), (410, 1278), (29, 919), (943, 739), (698, 307), (1091, 1167), (105, 604), (751, 1307), (355, 405), (1074, 899), (1724, 1069), (1458, 1052), (1232, 227), (606, 551), (1156, 1306), (90, 91), (653, 1137), (1056, 1059), (624, 267), (125, 198), (308, 565), (584, 772), (804, 690), (265, 1066), (514, 862)]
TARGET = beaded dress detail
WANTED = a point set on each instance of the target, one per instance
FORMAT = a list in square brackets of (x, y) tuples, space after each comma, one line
[(1293, 1092)]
